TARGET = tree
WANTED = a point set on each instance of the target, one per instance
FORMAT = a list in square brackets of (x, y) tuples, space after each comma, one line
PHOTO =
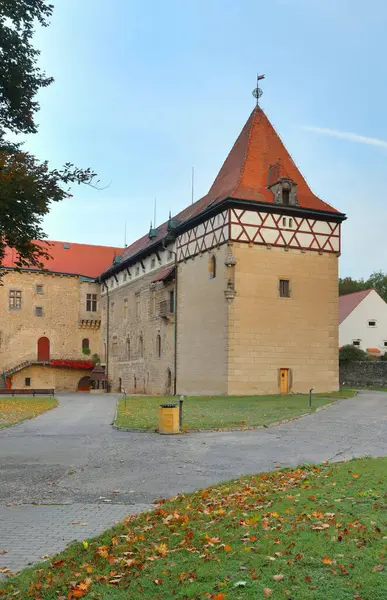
[(351, 353), (27, 185), (347, 285), (378, 281)]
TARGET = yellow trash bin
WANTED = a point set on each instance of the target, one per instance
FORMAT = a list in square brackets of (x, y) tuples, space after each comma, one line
[(169, 419)]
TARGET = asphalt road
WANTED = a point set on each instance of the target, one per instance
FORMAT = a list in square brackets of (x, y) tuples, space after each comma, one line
[(73, 455)]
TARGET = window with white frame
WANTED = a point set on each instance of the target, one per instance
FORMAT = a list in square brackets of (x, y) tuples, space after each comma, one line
[(372, 323), (356, 343)]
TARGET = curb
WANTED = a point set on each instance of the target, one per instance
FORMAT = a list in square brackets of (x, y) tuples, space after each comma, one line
[(230, 429)]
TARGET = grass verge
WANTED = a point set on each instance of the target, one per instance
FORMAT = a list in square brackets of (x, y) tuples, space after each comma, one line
[(14, 410), (221, 412), (315, 532)]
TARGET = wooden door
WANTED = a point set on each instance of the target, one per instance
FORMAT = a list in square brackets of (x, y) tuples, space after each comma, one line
[(284, 381), (43, 349)]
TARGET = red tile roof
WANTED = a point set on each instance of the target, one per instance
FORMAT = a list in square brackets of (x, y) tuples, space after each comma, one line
[(373, 350), (349, 302), (72, 259), (244, 176), (164, 274)]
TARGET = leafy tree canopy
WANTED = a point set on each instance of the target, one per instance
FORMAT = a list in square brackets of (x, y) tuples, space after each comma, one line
[(351, 353), (378, 281), (27, 185)]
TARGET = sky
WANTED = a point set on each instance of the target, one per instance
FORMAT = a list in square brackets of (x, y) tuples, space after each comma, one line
[(146, 89)]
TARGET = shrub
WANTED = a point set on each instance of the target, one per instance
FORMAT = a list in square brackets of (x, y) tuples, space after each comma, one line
[(86, 350), (351, 353)]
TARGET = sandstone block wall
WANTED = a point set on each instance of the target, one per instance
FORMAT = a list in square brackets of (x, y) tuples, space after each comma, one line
[(267, 332), (202, 326)]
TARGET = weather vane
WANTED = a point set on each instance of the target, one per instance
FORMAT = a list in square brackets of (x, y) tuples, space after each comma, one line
[(257, 92)]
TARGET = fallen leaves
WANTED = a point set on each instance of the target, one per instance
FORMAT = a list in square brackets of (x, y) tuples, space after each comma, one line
[(378, 568), (278, 577), (267, 592)]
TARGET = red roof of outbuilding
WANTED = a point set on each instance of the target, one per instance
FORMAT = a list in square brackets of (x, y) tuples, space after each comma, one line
[(71, 259), (349, 302), (244, 176)]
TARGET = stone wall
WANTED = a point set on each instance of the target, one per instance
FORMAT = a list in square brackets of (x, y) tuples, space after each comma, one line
[(364, 373), (139, 361), (45, 377), (202, 325), (63, 301), (268, 333)]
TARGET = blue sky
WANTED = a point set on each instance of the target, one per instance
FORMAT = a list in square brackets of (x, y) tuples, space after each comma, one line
[(146, 89)]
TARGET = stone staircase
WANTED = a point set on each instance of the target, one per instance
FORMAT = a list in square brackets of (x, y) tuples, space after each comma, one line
[(10, 370)]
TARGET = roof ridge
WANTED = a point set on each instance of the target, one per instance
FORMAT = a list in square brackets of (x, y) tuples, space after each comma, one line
[(241, 172)]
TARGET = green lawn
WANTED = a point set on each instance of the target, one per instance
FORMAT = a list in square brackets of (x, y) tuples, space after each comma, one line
[(14, 410), (217, 412), (311, 533)]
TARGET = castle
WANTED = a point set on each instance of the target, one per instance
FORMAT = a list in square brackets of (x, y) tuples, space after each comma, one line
[(237, 294)]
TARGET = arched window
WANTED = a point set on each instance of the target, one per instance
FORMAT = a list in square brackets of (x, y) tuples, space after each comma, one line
[(158, 345), (128, 348), (141, 347), (85, 346), (212, 267)]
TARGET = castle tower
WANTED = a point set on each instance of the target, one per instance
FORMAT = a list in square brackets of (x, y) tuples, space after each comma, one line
[(236, 294), (258, 277)]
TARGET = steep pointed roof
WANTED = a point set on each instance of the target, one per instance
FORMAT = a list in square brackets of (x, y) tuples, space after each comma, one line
[(244, 176)]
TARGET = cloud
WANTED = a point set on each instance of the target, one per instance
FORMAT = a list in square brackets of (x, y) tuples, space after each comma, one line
[(346, 135)]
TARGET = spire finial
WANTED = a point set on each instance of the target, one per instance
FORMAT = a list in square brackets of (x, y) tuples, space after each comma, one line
[(257, 92)]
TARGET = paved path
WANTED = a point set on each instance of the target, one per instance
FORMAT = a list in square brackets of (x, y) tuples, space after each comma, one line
[(72, 456)]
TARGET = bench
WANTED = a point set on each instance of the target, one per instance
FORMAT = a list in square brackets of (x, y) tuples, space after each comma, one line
[(23, 392)]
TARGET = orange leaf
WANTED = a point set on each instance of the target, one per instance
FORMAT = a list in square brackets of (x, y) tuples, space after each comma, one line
[(267, 592), (326, 560), (220, 596), (378, 568), (227, 548)]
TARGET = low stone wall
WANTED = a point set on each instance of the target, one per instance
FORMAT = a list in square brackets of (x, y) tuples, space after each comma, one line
[(364, 373)]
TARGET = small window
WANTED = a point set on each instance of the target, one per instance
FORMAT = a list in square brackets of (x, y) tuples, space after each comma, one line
[(212, 267), (39, 289), (112, 307), (137, 306), (27, 381), (372, 323), (284, 288), (290, 223), (385, 344), (39, 311), (128, 348), (153, 263), (91, 302), (125, 276), (172, 301), (284, 221), (286, 197), (356, 343), (137, 270), (158, 345), (85, 345), (153, 303), (15, 299), (125, 309), (141, 347)]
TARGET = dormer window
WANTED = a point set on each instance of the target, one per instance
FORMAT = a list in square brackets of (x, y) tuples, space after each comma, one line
[(282, 187)]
